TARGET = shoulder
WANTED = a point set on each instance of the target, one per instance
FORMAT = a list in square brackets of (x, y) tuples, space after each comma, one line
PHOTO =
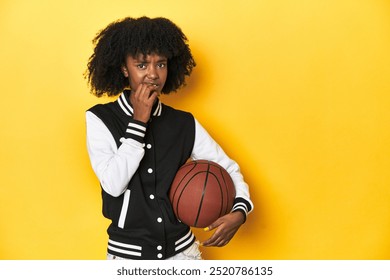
[(172, 118), (102, 107), (172, 112)]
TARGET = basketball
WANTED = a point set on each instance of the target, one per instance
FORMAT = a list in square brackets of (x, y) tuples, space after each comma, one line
[(201, 192)]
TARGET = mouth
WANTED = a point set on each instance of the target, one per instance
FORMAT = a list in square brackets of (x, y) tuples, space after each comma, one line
[(152, 84)]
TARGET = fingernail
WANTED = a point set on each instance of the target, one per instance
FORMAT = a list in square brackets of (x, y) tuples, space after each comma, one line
[(206, 229)]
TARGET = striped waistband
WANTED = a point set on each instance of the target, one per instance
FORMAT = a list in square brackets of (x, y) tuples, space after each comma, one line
[(146, 251)]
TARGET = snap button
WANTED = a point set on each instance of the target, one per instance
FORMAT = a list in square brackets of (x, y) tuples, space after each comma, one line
[(150, 170), (159, 247), (151, 196), (159, 219), (159, 256), (149, 146)]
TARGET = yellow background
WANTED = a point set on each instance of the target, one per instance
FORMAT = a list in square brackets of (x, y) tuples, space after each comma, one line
[(297, 92)]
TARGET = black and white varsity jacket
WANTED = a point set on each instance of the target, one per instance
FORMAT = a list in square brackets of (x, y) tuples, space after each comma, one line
[(136, 163)]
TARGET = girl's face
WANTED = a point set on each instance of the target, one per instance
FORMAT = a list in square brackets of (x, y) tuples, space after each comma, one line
[(151, 69)]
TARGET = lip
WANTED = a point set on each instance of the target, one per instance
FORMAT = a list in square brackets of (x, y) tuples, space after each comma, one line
[(152, 84)]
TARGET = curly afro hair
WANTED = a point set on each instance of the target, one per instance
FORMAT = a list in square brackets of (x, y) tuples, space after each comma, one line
[(134, 36)]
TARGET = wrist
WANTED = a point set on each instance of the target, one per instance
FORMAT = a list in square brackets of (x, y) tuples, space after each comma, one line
[(240, 216), (141, 118)]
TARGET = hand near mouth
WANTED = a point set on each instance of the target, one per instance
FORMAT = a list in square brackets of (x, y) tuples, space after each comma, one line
[(142, 101)]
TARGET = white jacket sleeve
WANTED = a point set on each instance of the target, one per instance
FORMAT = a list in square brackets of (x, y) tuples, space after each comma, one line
[(113, 166), (205, 147)]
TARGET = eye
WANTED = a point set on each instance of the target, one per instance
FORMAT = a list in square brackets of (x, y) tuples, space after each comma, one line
[(161, 65), (141, 65)]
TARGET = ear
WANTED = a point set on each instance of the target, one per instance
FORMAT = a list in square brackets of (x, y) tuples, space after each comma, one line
[(125, 71)]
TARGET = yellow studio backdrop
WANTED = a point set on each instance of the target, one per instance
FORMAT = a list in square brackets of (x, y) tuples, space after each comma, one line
[(297, 92)]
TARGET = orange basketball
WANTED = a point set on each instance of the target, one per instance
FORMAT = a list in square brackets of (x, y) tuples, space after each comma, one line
[(201, 192)]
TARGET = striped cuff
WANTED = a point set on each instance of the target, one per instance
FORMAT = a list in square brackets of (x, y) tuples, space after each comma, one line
[(136, 130), (242, 205)]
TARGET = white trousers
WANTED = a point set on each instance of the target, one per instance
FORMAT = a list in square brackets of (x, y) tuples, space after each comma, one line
[(191, 253)]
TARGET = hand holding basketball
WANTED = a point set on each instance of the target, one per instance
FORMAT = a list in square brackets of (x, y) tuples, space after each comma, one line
[(225, 228)]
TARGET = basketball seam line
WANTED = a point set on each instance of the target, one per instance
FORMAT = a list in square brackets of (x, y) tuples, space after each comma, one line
[(203, 193)]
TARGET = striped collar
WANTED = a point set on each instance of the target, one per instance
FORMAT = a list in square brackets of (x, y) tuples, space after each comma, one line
[(128, 109)]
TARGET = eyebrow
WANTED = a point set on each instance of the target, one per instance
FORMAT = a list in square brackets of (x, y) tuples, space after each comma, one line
[(142, 58)]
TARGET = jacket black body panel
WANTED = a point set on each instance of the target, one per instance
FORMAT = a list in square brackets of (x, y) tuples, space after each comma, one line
[(150, 229)]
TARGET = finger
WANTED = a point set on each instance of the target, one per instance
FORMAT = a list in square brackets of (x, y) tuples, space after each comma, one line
[(209, 242), (214, 225), (145, 94), (153, 96), (150, 94), (216, 241), (140, 90)]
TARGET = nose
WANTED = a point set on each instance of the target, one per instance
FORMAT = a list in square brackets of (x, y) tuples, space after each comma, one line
[(152, 73)]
